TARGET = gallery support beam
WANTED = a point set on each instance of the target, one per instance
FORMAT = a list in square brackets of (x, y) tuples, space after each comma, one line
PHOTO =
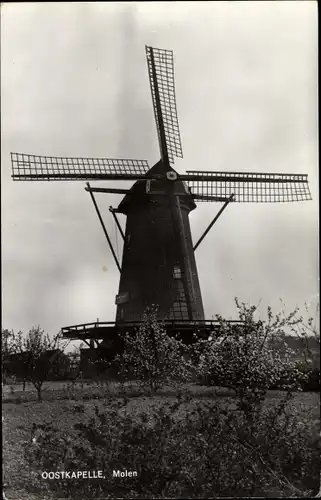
[(103, 226), (213, 221)]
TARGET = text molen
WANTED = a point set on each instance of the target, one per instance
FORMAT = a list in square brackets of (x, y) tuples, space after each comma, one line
[(124, 473)]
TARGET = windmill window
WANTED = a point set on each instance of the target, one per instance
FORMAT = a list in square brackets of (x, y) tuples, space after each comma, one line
[(155, 186), (179, 311), (177, 272)]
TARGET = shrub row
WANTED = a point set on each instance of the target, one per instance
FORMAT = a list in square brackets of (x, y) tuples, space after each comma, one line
[(310, 384), (209, 451)]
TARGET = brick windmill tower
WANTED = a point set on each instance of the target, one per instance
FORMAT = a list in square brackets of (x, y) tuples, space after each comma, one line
[(158, 263)]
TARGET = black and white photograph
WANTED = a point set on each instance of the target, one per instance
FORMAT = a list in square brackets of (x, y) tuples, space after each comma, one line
[(160, 250)]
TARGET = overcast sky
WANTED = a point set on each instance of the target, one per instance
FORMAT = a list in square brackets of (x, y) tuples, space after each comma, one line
[(74, 83)]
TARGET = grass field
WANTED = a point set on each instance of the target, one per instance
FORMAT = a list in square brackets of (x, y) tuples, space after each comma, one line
[(21, 410)]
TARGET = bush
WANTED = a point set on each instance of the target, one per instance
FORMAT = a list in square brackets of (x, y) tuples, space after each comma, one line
[(207, 452), (250, 357), (151, 357), (313, 382), (310, 380)]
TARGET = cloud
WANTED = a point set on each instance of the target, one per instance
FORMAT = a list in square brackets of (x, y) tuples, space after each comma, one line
[(74, 83)]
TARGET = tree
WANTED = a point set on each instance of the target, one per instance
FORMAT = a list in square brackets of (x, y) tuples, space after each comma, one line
[(151, 356), (307, 330), (13, 359), (8, 343), (251, 357), (75, 368), (40, 357), (6, 350)]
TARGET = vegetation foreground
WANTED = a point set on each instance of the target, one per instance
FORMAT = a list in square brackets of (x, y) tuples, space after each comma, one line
[(194, 444), (179, 421)]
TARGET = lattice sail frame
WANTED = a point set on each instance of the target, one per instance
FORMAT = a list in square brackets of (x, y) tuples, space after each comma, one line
[(249, 187), (30, 167), (164, 68)]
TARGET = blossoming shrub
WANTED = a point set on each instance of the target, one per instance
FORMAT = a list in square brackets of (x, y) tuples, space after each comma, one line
[(313, 382), (250, 358), (191, 448), (151, 357), (208, 451), (310, 379)]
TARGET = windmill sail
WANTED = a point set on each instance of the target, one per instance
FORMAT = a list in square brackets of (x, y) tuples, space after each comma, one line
[(158, 261), (161, 76), (34, 168), (248, 187)]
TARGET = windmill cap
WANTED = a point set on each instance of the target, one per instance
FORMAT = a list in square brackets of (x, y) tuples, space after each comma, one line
[(141, 192)]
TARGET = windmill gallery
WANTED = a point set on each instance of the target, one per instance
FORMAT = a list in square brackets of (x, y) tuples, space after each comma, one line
[(158, 262)]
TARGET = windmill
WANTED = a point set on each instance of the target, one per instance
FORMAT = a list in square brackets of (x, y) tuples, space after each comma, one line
[(158, 263)]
